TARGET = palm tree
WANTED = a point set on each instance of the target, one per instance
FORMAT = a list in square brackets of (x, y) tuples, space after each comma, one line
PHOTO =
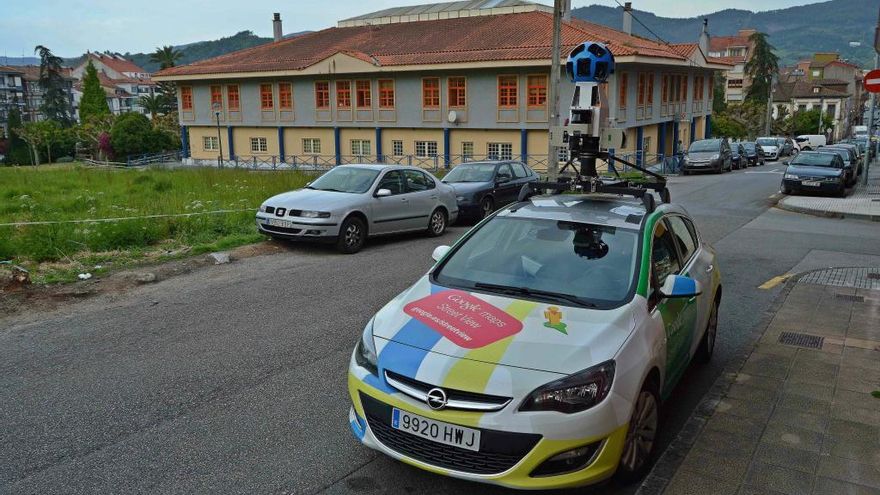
[(155, 104), (166, 56)]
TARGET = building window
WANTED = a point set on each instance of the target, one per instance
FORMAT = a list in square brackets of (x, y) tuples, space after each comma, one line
[(816, 89), (343, 94), (266, 100), (210, 143), (457, 92), (649, 88), (537, 91), (311, 146), (364, 94), (684, 88), (397, 147), (386, 93), (831, 110), (322, 95), (698, 88), (426, 149), (186, 98), (285, 96), (664, 89), (259, 145), (500, 151), (232, 98), (507, 91), (216, 98), (734, 83), (431, 92), (801, 108), (641, 92), (360, 147), (467, 150), (622, 87)]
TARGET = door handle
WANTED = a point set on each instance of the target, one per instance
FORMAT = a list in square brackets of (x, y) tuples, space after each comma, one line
[(404, 200), (434, 197), (710, 268)]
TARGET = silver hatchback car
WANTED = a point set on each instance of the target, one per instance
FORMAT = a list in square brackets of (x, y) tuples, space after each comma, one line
[(351, 202)]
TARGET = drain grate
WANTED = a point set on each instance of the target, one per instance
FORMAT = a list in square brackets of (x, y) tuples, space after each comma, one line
[(801, 340), (874, 276), (850, 297)]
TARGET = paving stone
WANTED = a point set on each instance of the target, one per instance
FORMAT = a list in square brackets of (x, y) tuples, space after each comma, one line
[(691, 483), (754, 409), (752, 490), (793, 437), (772, 369), (858, 379), (817, 391), (746, 392), (848, 398), (764, 382), (780, 479), (850, 471), (788, 457), (803, 404), (812, 374), (729, 423), (848, 430), (805, 363), (796, 417), (861, 449), (828, 486), (728, 466), (776, 349), (861, 358), (818, 355), (857, 415), (725, 443)]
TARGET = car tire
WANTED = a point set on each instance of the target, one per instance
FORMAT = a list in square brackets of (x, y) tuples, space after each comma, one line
[(636, 456), (842, 192), (437, 223), (685, 171), (352, 236), (487, 206), (785, 190), (707, 344)]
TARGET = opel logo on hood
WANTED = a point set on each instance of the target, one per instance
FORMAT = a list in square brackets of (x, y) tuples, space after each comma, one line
[(436, 399)]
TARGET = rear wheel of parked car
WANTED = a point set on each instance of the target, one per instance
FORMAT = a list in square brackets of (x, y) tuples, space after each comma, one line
[(437, 223), (352, 236), (487, 206), (638, 446), (707, 345)]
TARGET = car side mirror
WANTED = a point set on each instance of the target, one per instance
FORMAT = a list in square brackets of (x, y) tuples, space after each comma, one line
[(678, 286), (785, 163), (381, 193), (439, 252)]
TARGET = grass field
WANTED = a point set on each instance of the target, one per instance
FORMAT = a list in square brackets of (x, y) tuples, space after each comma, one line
[(57, 251)]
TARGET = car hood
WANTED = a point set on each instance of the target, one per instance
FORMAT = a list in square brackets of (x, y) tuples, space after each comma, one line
[(768, 147), (813, 171), (464, 188), (310, 199), (702, 155), (430, 323)]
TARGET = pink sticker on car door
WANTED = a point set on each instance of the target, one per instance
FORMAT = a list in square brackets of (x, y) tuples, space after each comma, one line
[(466, 320)]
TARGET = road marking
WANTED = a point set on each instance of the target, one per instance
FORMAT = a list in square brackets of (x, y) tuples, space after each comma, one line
[(773, 282)]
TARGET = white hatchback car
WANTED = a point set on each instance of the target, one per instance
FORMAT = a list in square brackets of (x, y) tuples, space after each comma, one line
[(535, 353)]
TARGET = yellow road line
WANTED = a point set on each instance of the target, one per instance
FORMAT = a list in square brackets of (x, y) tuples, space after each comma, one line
[(773, 282)]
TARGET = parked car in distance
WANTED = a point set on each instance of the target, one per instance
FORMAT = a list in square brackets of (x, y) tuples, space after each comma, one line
[(754, 153), (352, 202), (482, 187), (707, 155), (786, 146), (856, 151), (860, 131), (849, 161), (738, 157), (816, 172), (809, 142), (770, 146)]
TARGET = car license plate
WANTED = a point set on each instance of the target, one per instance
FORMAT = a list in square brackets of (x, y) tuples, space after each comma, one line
[(274, 222), (810, 183), (436, 431)]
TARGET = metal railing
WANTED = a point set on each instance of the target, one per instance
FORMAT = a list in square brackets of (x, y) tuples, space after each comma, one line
[(149, 158)]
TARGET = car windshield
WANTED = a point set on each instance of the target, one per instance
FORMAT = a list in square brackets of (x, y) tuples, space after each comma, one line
[(346, 179), (767, 142), (749, 146), (705, 145), (482, 172), (842, 153), (814, 159), (559, 261)]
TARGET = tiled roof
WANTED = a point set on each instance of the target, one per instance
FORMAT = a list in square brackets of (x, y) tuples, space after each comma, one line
[(8, 69), (117, 64), (523, 36), (721, 43), (32, 72), (804, 89)]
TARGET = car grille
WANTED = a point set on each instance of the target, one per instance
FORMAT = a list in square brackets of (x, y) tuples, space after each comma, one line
[(499, 450), (280, 230), (270, 209), (469, 400)]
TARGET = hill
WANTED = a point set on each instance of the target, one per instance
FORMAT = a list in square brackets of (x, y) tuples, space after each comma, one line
[(796, 32)]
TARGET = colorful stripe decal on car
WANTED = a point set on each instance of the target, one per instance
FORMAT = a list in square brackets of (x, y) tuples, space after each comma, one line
[(645, 272), (409, 347)]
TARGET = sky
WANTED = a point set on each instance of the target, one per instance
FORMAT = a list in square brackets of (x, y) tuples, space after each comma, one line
[(70, 27)]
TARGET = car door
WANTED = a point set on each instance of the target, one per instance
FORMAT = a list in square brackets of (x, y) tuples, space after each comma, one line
[(390, 212), (506, 189), (422, 195), (697, 263)]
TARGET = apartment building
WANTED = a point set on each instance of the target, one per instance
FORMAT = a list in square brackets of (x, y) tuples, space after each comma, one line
[(123, 81), (737, 51)]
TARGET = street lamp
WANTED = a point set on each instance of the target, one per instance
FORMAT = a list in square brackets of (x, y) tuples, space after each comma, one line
[(216, 106)]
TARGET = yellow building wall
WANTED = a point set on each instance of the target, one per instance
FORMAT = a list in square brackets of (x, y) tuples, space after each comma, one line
[(481, 139), (700, 130), (409, 137), (197, 144), (293, 139), (242, 141), (650, 135)]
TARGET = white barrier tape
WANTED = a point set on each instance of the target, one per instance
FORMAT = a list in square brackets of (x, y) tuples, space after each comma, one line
[(117, 219)]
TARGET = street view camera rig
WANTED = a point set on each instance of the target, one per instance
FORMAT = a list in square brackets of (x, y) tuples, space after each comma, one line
[(588, 67)]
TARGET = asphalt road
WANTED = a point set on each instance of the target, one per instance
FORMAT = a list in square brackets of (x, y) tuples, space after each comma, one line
[(231, 379)]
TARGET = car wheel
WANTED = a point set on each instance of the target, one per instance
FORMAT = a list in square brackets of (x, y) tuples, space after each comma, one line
[(487, 206), (638, 446), (785, 190), (842, 192), (352, 236), (707, 345), (437, 223), (685, 171)]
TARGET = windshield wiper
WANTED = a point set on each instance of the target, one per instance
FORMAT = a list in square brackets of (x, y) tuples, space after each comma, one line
[(525, 291), (332, 190)]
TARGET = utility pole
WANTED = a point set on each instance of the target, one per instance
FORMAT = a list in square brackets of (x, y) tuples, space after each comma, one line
[(553, 90), (821, 113), (769, 105)]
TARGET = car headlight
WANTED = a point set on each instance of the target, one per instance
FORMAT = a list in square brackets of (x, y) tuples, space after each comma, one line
[(365, 354), (574, 393), (314, 214), (791, 176), (715, 157), (262, 208)]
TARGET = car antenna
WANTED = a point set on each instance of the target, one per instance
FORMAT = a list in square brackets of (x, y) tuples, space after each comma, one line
[(589, 65)]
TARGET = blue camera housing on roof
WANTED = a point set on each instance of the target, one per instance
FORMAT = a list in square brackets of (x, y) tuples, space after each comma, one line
[(590, 62)]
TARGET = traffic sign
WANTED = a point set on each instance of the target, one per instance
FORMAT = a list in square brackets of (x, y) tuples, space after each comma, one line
[(872, 81)]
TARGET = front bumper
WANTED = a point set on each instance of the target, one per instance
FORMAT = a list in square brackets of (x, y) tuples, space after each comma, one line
[(299, 229), (796, 185), (708, 166), (509, 452)]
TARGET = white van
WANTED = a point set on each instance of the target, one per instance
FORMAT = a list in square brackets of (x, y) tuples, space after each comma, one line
[(809, 142), (860, 131)]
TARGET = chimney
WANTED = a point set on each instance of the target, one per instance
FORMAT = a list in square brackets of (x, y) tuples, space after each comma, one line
[(566, 10), (704, 37), (276, 27), (627, 18)]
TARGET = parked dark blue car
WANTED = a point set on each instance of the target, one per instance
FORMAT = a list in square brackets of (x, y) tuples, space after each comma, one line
[(815, 172), (482, 187)]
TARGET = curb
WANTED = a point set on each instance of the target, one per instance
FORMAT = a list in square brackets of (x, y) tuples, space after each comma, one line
[(824, 213), (668, 463)]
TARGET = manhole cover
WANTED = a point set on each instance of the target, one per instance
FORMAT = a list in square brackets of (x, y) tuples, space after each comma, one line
[(850, 297), (801, 340)]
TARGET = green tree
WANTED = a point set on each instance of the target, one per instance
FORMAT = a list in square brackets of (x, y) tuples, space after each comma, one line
[(133, 134), (744, 119), (761, 68), (154, 104), (165, 56), (56, 98), (18, 152), (94, 100), (808, 122), (718, 84), (723, 125), (91, 130), (42, 136)]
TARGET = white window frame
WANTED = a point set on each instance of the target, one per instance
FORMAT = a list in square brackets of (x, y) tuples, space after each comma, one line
[(397, 147), (311, 146), (259, 145), (426, 149), (499, 151), (467, 151), (360, 147), (210, 143)]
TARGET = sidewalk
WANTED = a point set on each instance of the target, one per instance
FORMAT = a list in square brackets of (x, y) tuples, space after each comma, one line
[(863, 202), (798, 415)]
